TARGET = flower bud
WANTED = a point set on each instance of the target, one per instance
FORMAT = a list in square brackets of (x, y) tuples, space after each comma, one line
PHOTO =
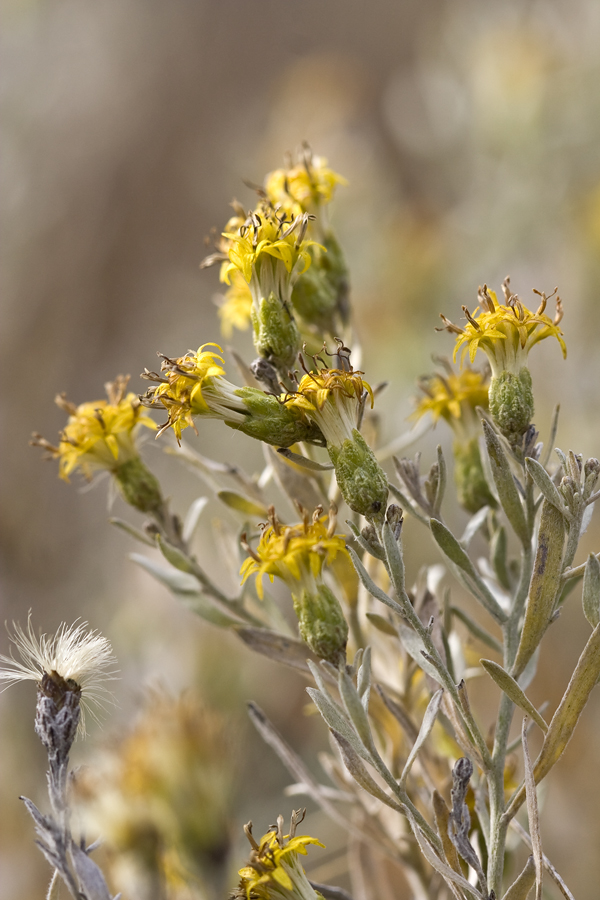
[(360, 478), (322, 624), (471, 484), (511, 404), (138, 486), (276, 334)]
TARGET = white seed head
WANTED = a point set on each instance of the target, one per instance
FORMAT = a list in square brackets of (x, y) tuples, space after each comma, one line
[(74, 653)]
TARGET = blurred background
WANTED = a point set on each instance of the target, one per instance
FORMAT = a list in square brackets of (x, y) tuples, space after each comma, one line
[(469, 134)]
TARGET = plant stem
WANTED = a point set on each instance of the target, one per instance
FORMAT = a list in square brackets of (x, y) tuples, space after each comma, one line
[(498, 826)]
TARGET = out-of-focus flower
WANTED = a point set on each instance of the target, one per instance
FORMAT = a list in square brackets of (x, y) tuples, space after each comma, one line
[(297, 554), (99, 434), (506, 333), (161, 800), (274, 871), (334, 400), (193, 385), (235, 310), (75, 660), (455, 397), (306, 185)]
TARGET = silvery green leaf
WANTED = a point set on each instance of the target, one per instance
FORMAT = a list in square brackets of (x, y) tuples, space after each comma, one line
[(448, 874), (336, 721), (91, 879), (413, 644), (532, 812), (563, 459), (508, 494), (407, 504), (131, 530), (192, 518), (586, 518), (370, 585), (304, 461), (519, 889), (355, 710), (176, 581), (363, 682), (353, 527), (473, 526), (359, 772), (510, 687), (442, 477), (591, 590), (173, 555), (544, 586), (426, 725), (395, 562), (465, 570), (499, 557), (279, 647), (547, 487), (242, 504), (563, 723)]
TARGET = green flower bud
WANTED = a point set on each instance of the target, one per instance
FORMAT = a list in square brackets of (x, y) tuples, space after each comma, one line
[(322, 624), (138, 486), (511, 404), (315, 299), (276, 334), (360, 478), (471, 485), (274, 422)]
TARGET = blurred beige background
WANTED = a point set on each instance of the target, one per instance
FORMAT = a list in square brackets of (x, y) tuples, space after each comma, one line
[(469, 134)]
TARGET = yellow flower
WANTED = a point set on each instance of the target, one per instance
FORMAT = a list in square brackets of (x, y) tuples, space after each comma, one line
[(236, 308), (308, 184), (454, 398), (505, 332), (295, 553), (274, 870), (333, 399), (264, 242), (99, 434), (193, 386)]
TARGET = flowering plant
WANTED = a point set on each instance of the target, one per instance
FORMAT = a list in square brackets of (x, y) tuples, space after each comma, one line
[(430, 792)]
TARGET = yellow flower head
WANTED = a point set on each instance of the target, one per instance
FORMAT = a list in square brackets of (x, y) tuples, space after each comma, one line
[(333, 399), (505, 332), (295, 553), (307, 185), (236, 308), (192, 385), (453, 397), (270, 250), (100, 434), (274, 870)]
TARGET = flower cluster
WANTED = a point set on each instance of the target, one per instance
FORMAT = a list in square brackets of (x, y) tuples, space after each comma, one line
[(285, 249)]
